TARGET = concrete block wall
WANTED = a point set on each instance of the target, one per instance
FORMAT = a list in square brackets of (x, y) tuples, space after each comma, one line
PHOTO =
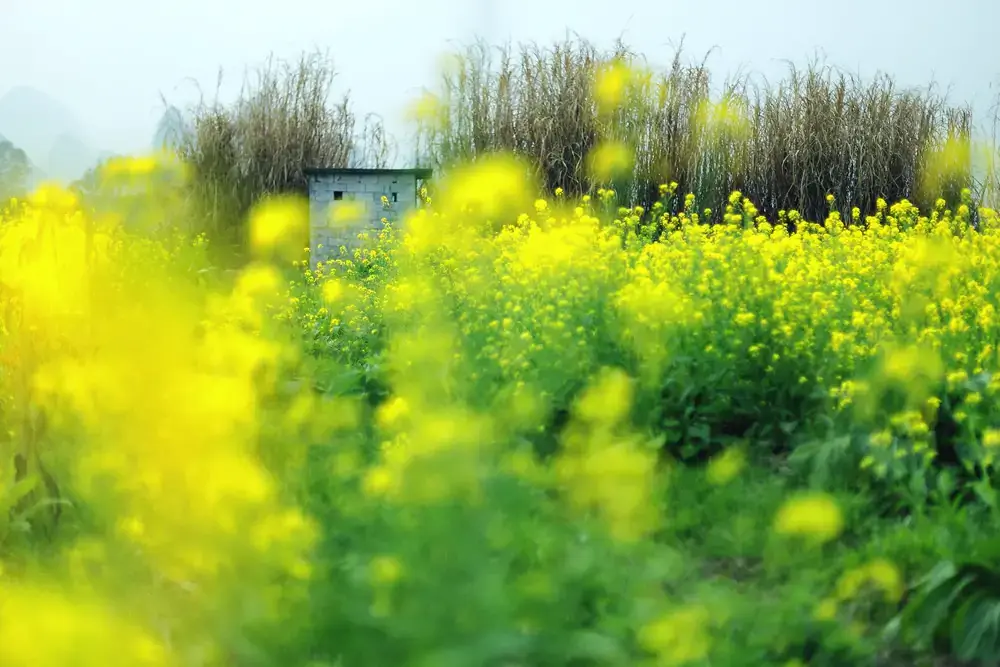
[(368, 188)]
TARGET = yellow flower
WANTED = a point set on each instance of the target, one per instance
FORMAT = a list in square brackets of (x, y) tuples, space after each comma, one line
[(378, 481), (678, 637), (880, 572), (392, 412), (494, 187), (346, 213), (881, 438), (609, 398), (385, 570), (812, 515), (609, 160), (850, 583), (333, 290), (826, 610), (278, 222), (956, 378), (610, 85), (886, 576), (427, 110), (725, 467), (41, 629)]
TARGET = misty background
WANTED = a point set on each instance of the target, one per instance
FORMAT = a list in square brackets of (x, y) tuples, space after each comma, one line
[(84, 80)]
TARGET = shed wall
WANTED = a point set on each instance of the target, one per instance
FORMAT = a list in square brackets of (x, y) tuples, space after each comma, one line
[(329, 191)]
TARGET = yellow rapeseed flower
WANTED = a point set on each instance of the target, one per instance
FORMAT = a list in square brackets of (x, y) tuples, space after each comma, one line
[(886, 576), (609, 160), (41, 629), (385, 570), (346, 213), (278, 223), (679, 637), (813, 515), (427, 109), (610, 85), (725, 467), (826, 610), (391, 413), (608, 399), (991, 438)]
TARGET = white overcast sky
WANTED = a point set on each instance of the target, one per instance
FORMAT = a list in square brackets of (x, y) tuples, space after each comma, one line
[(110, 60)]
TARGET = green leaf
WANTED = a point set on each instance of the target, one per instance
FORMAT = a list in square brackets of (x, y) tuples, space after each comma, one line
[(918, 486), (701, 432), (788, 427), (940, 573), (986, 493), (936, 595), (976, 628), (945, 483), (593, 646), (17, 492)]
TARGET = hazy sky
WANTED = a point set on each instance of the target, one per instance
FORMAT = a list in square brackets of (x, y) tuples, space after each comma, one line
[(110, 60)]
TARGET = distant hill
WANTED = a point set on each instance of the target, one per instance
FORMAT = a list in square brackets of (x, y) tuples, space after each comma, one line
[(32, 120), (48, 131), (69, 158)]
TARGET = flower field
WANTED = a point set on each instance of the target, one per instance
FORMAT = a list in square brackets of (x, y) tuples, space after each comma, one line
[(514, 431)]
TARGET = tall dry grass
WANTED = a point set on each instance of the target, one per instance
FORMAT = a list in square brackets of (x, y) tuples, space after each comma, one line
[(988, 162), (284, 120), (816, 131)]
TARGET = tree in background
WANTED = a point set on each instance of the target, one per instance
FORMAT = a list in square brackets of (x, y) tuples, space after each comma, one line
[(15, 170), (283, 122)]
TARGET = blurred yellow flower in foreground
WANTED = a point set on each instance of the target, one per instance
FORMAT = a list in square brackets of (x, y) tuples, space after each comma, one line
[(608, 400), (726, 466), (880, 573), (39, 628), (610, 84), (385, 570), (347, 213), (278, 223), (610, 160), (496, 187), (812, 515), (679, 637), (427, 109)]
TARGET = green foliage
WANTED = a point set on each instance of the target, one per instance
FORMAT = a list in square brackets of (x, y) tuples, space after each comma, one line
[(957, 608), (15, 170)]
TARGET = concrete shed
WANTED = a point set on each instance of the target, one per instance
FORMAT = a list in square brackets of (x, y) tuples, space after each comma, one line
[(361, 190)]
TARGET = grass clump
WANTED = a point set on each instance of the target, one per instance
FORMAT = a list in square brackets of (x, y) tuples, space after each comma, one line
[(283, 121), (785, 144)]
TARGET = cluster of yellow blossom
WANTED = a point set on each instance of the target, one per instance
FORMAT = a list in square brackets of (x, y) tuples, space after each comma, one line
[(548, 295), (149, 384)]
